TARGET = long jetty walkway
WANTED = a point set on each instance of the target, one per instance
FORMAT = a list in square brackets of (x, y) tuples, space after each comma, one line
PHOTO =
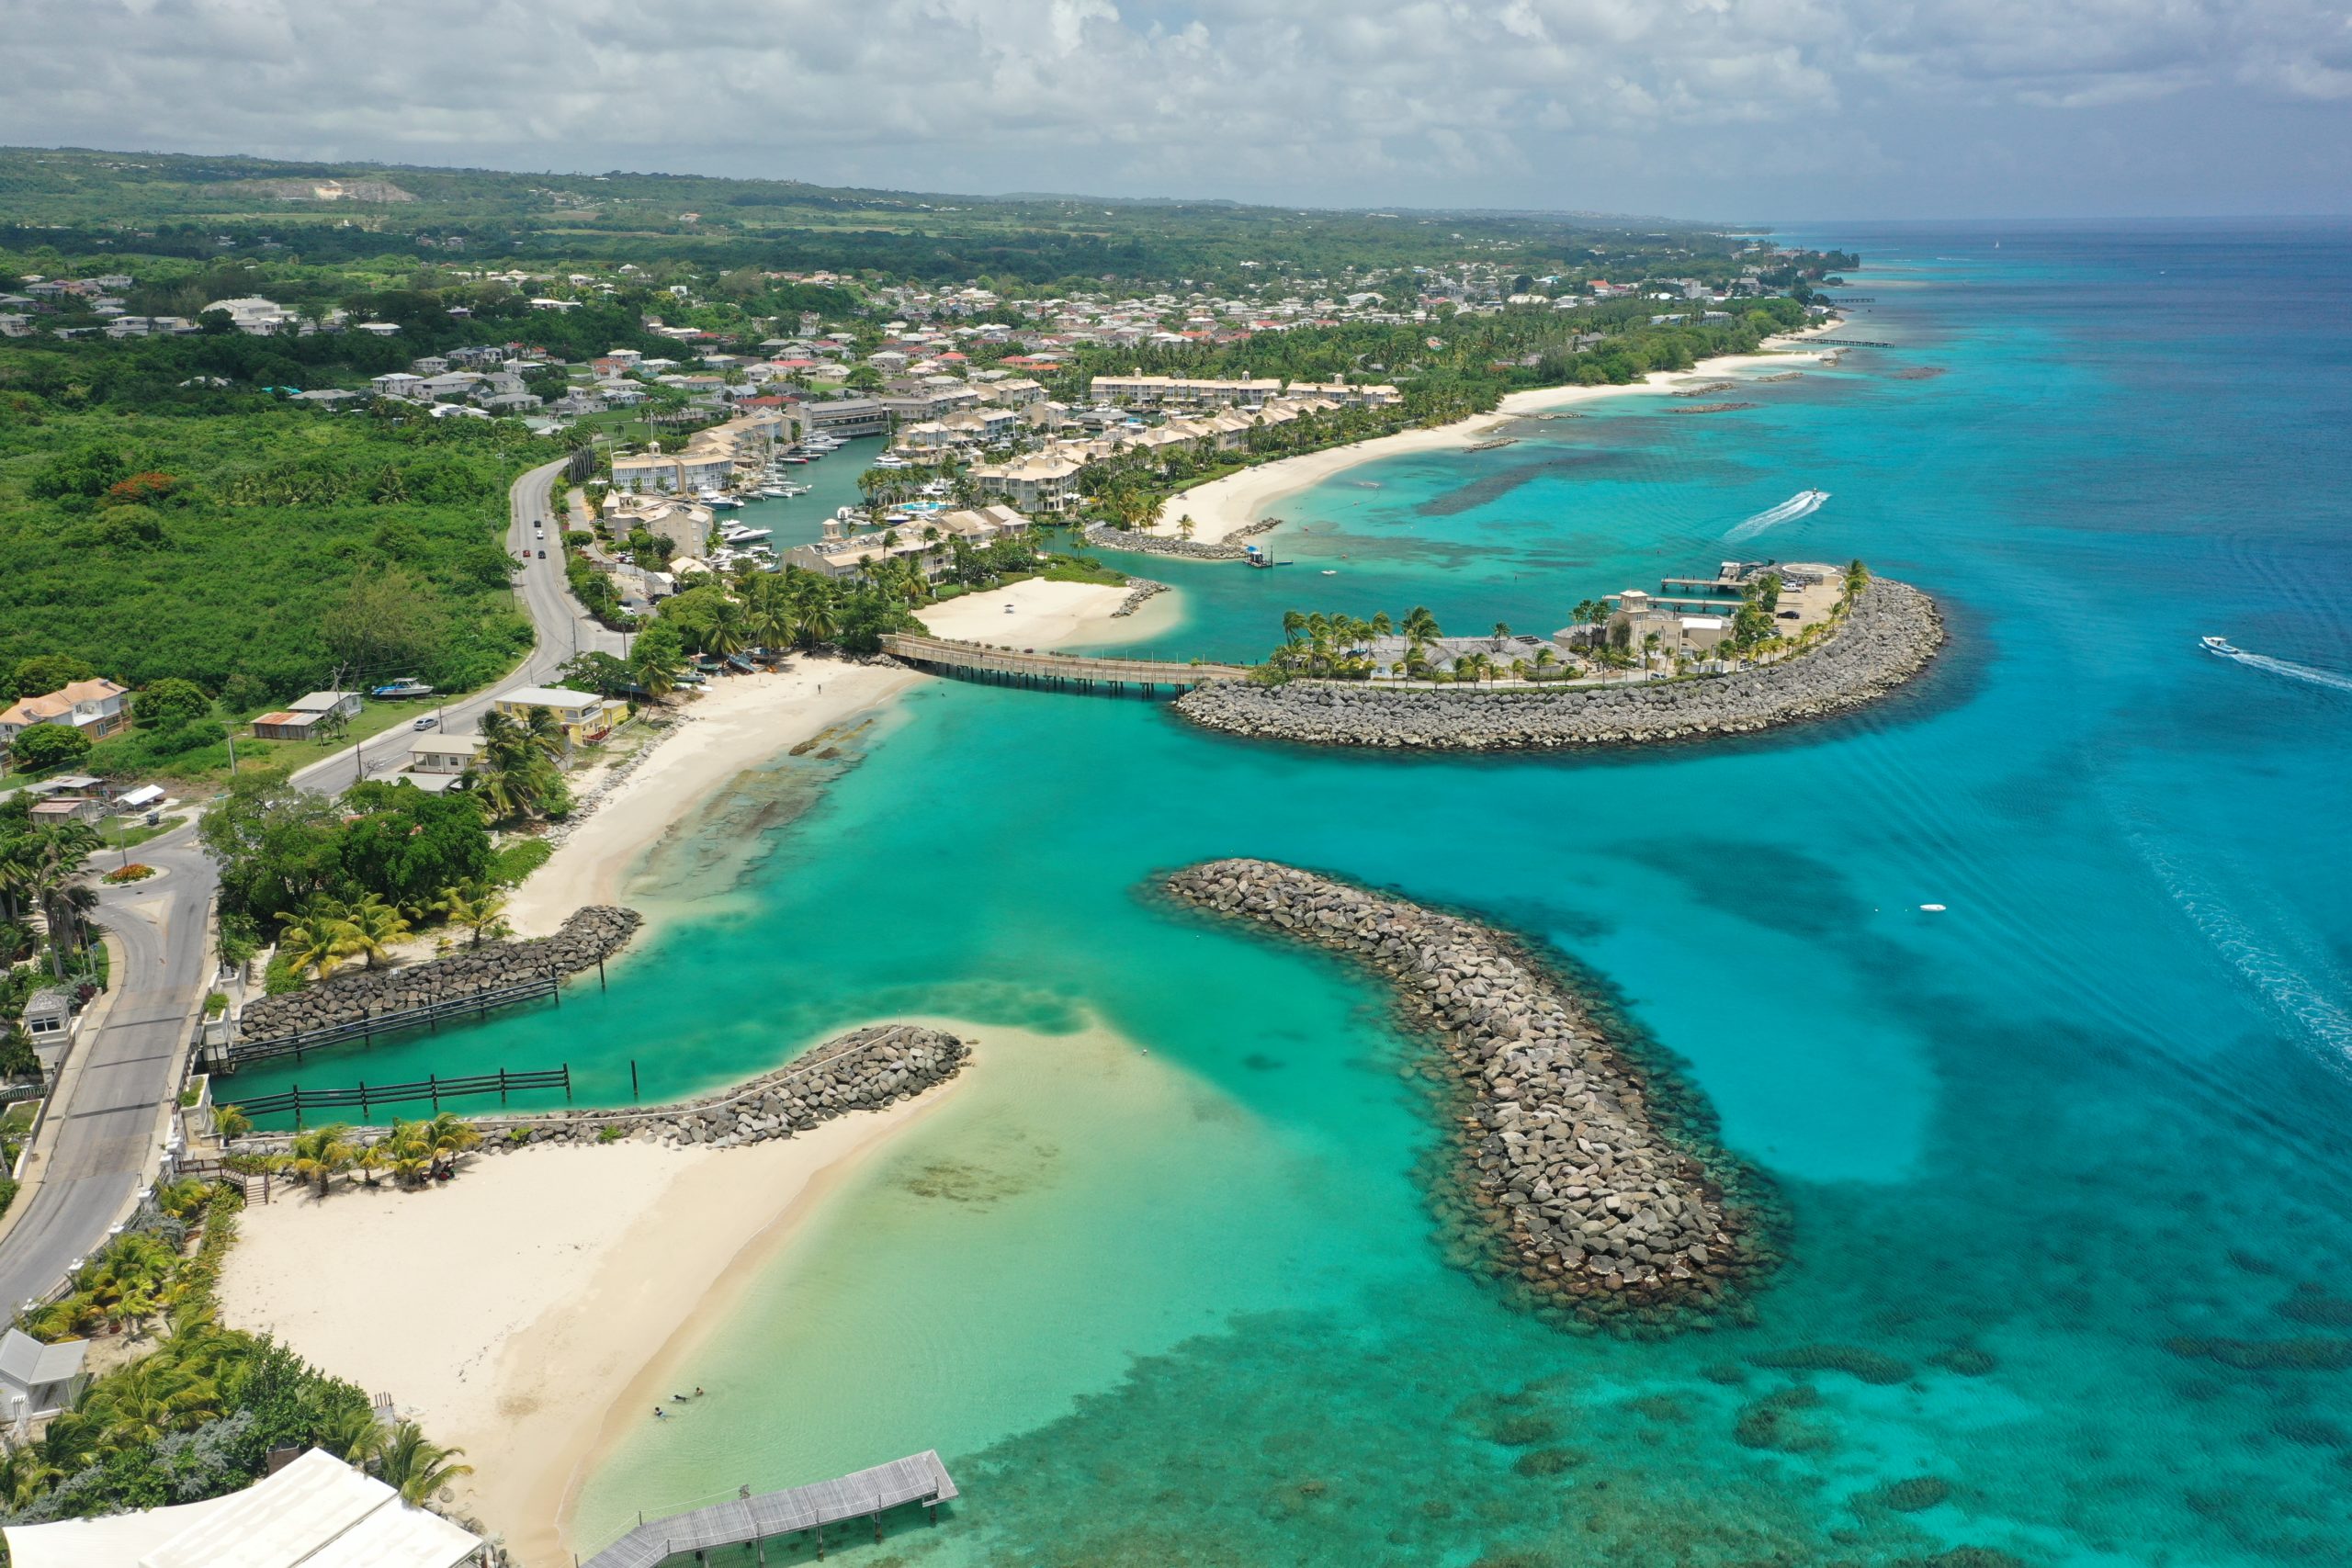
[(752, 1521), (1072, 671)]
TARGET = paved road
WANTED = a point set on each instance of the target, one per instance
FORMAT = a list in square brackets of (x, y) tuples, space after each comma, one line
[(105, 1142), (107, 1131), (562, 631)]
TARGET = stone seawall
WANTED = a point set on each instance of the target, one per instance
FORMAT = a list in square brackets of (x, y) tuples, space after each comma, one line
[(1889, 636), (1227, 548), (593, 933), (1139, 589), (1587, 1180), (862, 1070)]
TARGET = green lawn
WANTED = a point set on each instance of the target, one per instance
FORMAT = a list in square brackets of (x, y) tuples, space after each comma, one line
[(124, 832)]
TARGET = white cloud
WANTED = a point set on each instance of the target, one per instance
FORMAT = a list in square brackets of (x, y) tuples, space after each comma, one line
[(1313, 99)]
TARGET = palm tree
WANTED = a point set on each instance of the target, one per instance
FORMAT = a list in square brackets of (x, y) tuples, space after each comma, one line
[(725, 633), (371, 926), (415, 1467), (231, 1122), (474, 905), (353, 1434), (1545, 659), (1293, 623), (315, 938), (816, 622), (321, 1154)]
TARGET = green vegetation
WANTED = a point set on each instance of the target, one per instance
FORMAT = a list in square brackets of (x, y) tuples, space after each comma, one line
[(413, 1153), (45, 869), (198, 1414), (336, 877), (406, 217), (248, 553)]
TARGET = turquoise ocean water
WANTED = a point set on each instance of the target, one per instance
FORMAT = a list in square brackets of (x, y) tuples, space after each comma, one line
[(2068, 1277)]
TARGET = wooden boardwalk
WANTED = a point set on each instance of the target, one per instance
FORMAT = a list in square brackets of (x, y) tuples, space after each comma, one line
[(1073, 671), (750, 1522)]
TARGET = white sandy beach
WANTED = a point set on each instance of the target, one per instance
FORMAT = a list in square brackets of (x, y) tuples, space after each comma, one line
[(741, 721), (738, 722), (515, 1311), (1220, 506), (1037, 614)]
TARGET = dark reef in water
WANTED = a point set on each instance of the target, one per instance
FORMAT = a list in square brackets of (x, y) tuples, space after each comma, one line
[(1584, 1178)]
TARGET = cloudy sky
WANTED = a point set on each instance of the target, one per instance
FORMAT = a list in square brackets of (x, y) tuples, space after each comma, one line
[(1779, 109)]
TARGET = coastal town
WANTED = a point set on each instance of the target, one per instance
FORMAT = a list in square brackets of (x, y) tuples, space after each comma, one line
[(742, 510)]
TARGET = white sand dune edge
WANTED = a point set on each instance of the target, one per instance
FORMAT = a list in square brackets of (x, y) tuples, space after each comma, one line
[(518, 1311)]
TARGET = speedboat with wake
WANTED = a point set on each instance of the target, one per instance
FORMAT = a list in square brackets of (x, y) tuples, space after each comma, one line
[(2221, 646)]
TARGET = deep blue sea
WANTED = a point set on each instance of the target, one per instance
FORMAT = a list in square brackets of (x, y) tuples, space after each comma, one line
[(2069, 1280)]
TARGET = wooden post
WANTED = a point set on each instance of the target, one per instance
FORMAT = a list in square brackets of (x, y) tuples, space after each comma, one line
[(363, 1100), (600, 971), (501, 1086), (433, 1087), (632, 1081), (554, 988), (567, 1083), (820, 1543), (298, 1105)]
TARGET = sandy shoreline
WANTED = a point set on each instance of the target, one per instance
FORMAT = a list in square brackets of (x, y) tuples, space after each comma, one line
[(739, 722), (1220, 506), (742, 721), (551, 1284)]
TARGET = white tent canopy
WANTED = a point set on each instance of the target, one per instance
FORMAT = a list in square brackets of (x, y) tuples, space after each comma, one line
[(318, 1512)]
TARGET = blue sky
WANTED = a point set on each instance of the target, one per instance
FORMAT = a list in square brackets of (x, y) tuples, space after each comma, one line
[(1770, 109)]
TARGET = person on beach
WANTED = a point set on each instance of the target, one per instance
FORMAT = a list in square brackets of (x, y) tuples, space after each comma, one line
[(660, 1414), (697, 1391)]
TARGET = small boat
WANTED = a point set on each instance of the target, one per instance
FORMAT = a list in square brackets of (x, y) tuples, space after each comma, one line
[(2221, 646), (1330, 572), (1932, 909)]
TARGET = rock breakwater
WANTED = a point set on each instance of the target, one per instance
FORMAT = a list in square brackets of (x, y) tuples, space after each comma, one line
[(1889, 636), (1227, 549), (1585, 1179), (592, 934), (1138, 590), (862, 1070)]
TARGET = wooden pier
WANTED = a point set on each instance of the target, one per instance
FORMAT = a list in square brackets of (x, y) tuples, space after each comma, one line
[(1068, 672), (750, 1522), (1846, 343)]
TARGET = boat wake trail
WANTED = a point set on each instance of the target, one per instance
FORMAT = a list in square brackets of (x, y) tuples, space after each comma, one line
[(2292, 670), (1805, 503), (2290, 993)]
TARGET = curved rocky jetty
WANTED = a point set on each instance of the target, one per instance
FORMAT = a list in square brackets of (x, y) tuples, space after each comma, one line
[(1586, 1178), (591, 935), (1889, 636)]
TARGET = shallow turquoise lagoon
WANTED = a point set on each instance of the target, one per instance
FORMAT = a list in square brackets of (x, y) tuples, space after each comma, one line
[(2068, 1282)]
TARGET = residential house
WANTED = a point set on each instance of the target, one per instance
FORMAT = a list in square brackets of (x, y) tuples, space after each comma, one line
[(583, 716), (38, 1380), (60, 809), (343, 704), (97, 708), (49, 1020), (288, 726)]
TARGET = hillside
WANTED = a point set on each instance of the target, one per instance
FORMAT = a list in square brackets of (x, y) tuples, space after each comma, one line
[(76, 199)]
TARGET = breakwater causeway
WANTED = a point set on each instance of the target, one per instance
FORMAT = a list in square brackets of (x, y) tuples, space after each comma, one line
[(1889, 636), (1587, 1181)]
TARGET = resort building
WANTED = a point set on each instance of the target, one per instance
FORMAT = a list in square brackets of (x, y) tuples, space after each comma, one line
[(97, 708), (847, 416), (584, 716), (316, 1512), (1042, 481), (1156, 391)]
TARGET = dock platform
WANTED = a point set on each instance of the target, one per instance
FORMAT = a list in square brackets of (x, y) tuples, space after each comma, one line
[(748, 1521)]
